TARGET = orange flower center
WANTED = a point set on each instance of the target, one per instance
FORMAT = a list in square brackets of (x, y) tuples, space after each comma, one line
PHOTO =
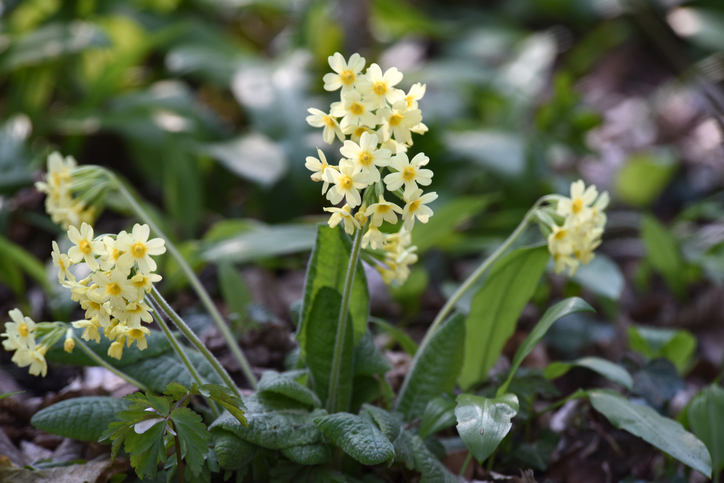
[(560, 235), (23, 329), (113, 289), (85, 247), (395, 119), (138, 250), (365, 158), (347, 77), (414, 206), (356, 108), (577, 205), (380, 88), (346, 183), (408, 174), (329, 121)]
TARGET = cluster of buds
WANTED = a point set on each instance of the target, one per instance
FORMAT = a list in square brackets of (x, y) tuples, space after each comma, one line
[(113, 294), (60, 203), (573, 242), (380, 120)]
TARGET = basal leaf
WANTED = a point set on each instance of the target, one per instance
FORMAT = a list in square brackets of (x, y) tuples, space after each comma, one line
[(390, 425), (483, 422), (607, 369), (496, 307), (439, 414), (435, 369), (233, 452), (82, 418), (408, 345), (368, 360), (328, 268), (559, 310), (158, 371), (358, 438), (432, 470), (25, 260), (678, 346), (706, 417), (664, 433), (309, 454), (274, 422), (272, 381)]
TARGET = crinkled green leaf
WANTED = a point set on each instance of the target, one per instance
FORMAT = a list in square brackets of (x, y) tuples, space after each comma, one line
[(233, 452), (483, 422), (82, 418), (388, 424), (431, 469), (321, 330), (706, 417), (496, 307), (272, 381), (435, 369), (226, 398), (664, 433), (274, 422), (358, 438), (309, 454), (192, 435), (328, 268), (368, 360), (559, 310), (158, 371), (608, 369), (439, 414)]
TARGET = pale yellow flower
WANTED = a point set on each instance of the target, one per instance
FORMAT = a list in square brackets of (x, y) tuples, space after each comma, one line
[(115, 287), (63, 263), (144, 283), (135, 312), (578, 206), (329, 123), (366, 157), (345, 72), (379, 87), (90, 329), (416, 92), (20, 332), (397, 122), (355, 132), (383, 211), (346, 184), (33, 357), (373, 238), (86, 248), (409, 173), (416, 208), (343, 214), (116, 349), (317, 167), (138, 249), (109, 258), (354, 110)]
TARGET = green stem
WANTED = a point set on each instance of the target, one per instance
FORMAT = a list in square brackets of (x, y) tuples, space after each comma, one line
[(186, 330), (180, 352), (342, 324), (468, 458), (179, 461), (193, 280), (101, 362)]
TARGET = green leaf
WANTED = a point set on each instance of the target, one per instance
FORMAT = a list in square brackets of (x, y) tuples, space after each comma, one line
[(234, 452), (252, 156), (559, 310), (25, 260), (390, 425), (662, 251), (309, 454), (408, 345), (177, 391), (483, 422), (274, 422), (358, 438), (226, 398), (81, 418), (434, 370), (663, 433), (235, 292), (146, 449), (158, 371), (642, 178), (439, 414), (676, 345), (607, 369), (496, 307), (192, 435), (321, 330), (368, 360), (432, 470), (272, 381), (261, 242), (706, 417), (447, 219), (8, 394), (328, 268), (601, 276)]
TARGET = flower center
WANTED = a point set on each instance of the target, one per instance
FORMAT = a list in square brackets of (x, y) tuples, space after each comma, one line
[(560, 235), (113, 289), (408, 174), (116, 253), (382, 209), (347, 77), (85, 247), (138, 250), (23, 329), (380, 88), (329, 121), (356, 108), (414, 206), (135, 334), (395, 119), (346, 183), (365, 158), (577, 205)]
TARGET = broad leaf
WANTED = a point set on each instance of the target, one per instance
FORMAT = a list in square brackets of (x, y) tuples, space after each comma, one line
[(236, 293), (408, 345), (664, 433), (13, 253), (432, 470), (561, 309), (357, 437), (261, 242), (390, 425), (309, 454), (706, 417), (678, 346), (662, 251), (328, 268), (82, 418), (607, 369), (483, 422), (602, 277), (322, 336), (439, 414), (157, 372), (272, 381), (496, 307), (447, 219), (233, 452), (274, 422), (434, 370), (368, 360)]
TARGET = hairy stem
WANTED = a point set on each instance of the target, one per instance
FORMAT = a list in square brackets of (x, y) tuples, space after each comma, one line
[(102, 362), (193, 280), (180, 352), (342, 324), (186, 330)]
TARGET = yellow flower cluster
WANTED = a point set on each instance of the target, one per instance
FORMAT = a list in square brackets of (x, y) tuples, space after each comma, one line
[(20, 337), (112, 295), (380, 120), (573, 242), (63, 208)]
